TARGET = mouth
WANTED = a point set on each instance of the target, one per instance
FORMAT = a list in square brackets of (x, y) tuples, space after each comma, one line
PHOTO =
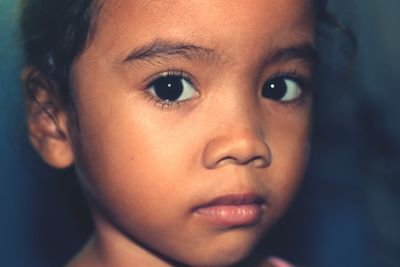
[(233, 210)]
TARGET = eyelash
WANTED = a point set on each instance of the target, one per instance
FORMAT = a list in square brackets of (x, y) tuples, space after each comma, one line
[(166, 105), (304, 82)]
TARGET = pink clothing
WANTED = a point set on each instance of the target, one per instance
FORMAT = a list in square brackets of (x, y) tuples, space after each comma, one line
[(279, 262)]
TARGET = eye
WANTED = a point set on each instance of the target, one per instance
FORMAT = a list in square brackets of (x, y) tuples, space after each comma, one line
[(170, 87), (283, 89)]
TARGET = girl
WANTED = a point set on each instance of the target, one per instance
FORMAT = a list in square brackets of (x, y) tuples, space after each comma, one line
[(187, 121)]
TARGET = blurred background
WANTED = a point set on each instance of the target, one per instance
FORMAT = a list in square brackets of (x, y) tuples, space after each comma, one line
[(347, 212)]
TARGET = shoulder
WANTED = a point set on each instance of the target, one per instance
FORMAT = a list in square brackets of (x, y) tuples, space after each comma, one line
[(276, 262)]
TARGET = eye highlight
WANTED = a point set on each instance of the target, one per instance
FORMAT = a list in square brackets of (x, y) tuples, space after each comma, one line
[(283, 88), (171, 87)]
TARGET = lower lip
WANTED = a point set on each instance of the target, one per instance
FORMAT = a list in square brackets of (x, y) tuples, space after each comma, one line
[(232, 215)]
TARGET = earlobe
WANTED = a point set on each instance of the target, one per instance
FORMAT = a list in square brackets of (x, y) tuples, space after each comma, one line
[(49, 138), (47, 123)]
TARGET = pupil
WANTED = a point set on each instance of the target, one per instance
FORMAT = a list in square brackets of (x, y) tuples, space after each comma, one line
[(274, 89), (168, 88)]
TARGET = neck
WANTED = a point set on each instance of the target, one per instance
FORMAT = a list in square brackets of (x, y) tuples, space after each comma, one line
[(109, 247)]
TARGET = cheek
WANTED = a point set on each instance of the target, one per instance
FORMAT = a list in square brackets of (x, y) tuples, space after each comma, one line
[(126, 164), (290, 148), (115, 152)]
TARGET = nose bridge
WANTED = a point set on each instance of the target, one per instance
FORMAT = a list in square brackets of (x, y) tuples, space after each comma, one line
[(239, 136), (244, 120), (240, 108)]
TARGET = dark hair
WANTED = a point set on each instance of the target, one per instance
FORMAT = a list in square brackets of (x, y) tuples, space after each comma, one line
[(54, 33)]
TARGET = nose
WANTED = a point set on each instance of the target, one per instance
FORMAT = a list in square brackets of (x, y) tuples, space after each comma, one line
[(237, 146)]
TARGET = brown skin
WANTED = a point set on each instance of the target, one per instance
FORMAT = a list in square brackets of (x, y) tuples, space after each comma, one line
[(145, 167)]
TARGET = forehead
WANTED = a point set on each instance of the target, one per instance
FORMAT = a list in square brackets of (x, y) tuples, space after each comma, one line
[(203, 12), (123, 23)]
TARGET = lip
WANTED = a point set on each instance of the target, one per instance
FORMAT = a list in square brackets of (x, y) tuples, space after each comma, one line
[(233, 210)]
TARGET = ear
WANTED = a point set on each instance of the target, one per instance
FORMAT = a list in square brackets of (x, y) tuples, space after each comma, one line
[(47, 121)]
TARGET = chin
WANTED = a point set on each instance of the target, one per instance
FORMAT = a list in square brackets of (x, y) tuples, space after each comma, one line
[(222, 255), (219, 261)]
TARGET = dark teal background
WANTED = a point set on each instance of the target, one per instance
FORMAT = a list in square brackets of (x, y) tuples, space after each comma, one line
[(347, 213)]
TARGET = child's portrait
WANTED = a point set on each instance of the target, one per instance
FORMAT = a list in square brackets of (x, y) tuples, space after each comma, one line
[(199, 133)]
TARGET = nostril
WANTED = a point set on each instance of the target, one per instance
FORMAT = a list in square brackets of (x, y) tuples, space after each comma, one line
[(225, 161), (261, 162), (258, 161), (235, 149)]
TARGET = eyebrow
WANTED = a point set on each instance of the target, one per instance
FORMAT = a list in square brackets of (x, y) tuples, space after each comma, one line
[(160, 50), (304, 51)]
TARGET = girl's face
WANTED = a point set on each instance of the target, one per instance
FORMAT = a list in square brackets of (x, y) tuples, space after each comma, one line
[(194, 119)]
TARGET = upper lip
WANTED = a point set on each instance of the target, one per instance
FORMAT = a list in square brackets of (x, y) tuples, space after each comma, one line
[(235, 199)]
